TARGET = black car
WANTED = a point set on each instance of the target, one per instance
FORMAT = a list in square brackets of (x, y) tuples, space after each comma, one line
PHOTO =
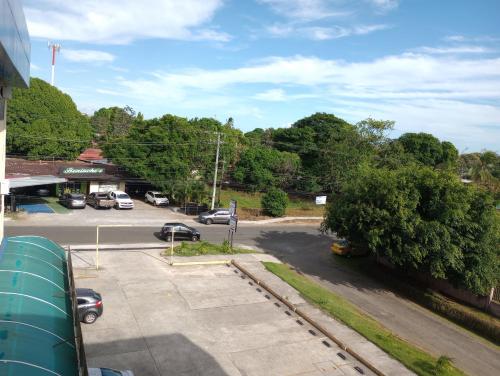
[(89, 305), (73, 200), (181, 232)]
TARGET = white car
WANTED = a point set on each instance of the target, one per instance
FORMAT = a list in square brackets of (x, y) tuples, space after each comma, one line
[(108, 372), (122, 200), (156, 198)]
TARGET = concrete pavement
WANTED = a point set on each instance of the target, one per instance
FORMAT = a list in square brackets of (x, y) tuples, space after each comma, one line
[(207, 320), (308, 250)]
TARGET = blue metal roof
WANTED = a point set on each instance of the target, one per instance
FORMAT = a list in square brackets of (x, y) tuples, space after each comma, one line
[(37, 334)]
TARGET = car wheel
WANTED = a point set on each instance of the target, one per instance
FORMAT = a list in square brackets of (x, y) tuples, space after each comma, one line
[(209, 221), (194, 238), (117, 206), (89, 317), (154, 203)]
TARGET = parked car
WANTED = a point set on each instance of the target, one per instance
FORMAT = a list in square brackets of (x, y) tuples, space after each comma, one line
[(344, 248), (181, 232), (156, 198), (89, 305), (108, 372), (100, 200), (72, 200), (215, 216), (122, 200), (42, 192)]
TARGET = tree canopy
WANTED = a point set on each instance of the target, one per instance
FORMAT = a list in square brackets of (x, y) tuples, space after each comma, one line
[(108, 123), (43, 122), (423, 219)]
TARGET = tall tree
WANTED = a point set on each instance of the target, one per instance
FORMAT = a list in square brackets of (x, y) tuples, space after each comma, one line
[(428, 150), (112, 122), (421, 219), (43, 122)]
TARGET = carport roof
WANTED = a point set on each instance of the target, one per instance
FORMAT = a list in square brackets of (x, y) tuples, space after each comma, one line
[(30, 181), (36, 316)]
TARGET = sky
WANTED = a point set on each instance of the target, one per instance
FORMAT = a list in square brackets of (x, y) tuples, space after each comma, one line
[(431, 66)]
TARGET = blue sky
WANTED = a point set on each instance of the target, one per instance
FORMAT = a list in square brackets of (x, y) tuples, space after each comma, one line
[(431, 66)]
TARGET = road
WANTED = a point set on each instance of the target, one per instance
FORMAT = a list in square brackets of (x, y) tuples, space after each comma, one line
[(307, 250)]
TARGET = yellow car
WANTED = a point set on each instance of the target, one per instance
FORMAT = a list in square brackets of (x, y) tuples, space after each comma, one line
[(341, 248)]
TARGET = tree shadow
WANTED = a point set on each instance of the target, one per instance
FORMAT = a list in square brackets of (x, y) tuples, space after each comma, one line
[(309, 253)]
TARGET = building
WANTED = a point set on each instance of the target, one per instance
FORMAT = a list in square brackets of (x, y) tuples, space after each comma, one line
[(61, 176)]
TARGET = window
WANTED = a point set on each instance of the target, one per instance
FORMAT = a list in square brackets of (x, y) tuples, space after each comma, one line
[(81, 301)]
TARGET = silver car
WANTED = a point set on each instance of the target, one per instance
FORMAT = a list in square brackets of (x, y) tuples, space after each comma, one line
[(156, 198), (215, 216)]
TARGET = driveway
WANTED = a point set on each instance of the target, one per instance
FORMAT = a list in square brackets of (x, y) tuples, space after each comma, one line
[(199, 320)]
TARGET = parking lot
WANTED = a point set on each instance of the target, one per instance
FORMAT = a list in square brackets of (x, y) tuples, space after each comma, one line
[(198, 320)]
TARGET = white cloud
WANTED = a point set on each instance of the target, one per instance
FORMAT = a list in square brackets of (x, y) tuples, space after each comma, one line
[(304, 10), (34, 67), (463, 38), (451, 97), (87, 56), (271, 95), (384, 5), (322, 33), (463, 49), (120, 22)]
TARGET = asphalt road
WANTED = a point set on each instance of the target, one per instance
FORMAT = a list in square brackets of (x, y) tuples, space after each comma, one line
[(307, 250)]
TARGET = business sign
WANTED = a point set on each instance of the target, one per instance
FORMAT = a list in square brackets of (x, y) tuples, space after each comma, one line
[(232, 208), (320, 200), (82, 171)]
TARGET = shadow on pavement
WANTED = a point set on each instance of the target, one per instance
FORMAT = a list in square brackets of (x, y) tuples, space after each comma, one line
[(309, 253), (172, 354)]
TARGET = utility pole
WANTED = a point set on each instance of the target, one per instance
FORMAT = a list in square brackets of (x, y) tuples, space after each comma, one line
[(55, 48), (215, 173), (4, 188)]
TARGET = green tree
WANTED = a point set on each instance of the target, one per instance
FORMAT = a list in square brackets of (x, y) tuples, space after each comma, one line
[(112, 122), (175, 154), (260, 167), (422, 219), (330, 149), (274, 202), (43, 122), (428, 150)]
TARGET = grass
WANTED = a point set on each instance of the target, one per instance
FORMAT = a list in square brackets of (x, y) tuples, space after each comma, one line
[(205, 248), (414, 358), (249, 205)]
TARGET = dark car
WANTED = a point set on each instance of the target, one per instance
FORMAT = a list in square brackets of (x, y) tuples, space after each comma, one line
[(89, 305), (73, 200), (100, 200), (181, 232)]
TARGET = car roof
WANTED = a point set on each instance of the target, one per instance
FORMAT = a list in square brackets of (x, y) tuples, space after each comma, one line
[(85, 292), (118, 192)]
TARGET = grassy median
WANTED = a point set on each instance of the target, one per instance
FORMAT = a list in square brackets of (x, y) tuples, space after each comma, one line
[(205, 248), (411, 356)]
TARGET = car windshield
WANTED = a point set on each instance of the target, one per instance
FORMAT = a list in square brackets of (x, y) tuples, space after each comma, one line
[(122, 195), (76, 196), (212, 211), (160, 195)]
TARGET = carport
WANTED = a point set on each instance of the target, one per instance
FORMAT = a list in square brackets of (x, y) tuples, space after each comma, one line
[(38, 331)]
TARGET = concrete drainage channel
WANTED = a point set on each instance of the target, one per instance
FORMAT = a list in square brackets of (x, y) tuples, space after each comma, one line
[(262, 287)]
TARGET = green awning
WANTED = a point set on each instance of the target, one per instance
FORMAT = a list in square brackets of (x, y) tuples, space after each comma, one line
[(36, 318)]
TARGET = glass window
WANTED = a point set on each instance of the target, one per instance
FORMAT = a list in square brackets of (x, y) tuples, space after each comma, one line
[(123, 196)]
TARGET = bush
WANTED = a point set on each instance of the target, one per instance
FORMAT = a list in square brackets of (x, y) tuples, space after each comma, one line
[(274, 202)]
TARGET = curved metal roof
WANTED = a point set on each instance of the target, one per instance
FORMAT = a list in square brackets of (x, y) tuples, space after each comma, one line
[(36, 316)]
